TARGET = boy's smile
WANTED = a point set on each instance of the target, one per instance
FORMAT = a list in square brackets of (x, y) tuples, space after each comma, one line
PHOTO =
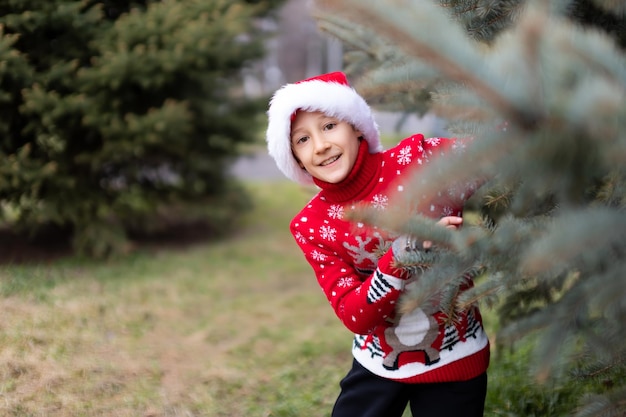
[(324, 146)]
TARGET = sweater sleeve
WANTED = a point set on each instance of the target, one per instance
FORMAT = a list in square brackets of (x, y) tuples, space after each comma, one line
[(361, 305)]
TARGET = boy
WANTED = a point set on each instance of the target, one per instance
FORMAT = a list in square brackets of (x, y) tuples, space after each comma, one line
[(322, 132)]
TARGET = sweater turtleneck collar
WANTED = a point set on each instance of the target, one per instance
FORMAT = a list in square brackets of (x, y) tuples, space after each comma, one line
[(359, 183)]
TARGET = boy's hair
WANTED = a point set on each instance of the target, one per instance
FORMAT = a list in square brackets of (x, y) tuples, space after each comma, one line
[(330, 94)]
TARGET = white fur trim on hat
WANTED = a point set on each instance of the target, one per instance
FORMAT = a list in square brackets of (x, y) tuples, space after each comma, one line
[(330, 94)]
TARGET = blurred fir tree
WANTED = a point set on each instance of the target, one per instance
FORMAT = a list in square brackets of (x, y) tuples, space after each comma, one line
[(121, 117), (537, 91)]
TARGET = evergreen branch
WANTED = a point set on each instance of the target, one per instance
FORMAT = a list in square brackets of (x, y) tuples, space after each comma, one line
[(552, 209), (612, 190), (382, 83), (499, 198), (460, 104), (605, 369), (455, 61), (581, 234), (483, 292), (441, 282), (611, 404), (354, 35), (483, 23)]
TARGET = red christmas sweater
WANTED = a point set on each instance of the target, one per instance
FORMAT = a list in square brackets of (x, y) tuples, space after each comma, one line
[(363, 287)]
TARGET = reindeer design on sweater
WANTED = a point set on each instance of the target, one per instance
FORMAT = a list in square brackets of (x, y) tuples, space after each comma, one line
[(415, 331), (362, 256)]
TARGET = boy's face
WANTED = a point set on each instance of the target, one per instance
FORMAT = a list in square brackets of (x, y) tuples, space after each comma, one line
[(324, 146)]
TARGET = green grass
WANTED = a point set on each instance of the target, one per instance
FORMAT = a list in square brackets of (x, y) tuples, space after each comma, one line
[(224, 329), (230, 328)]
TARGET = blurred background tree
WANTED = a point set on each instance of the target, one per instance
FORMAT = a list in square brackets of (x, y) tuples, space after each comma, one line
[(536, 91), (120, 118)]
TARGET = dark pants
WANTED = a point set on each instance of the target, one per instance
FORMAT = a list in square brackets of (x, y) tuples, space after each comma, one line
[(364, 394)]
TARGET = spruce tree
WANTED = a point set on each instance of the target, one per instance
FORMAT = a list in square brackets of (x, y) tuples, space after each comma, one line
[(122, 117), (536, 93)]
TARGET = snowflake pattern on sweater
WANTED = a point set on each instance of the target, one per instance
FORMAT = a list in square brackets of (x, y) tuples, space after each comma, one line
[(363, 287)]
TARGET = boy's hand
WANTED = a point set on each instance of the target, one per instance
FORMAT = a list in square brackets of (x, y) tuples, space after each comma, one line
[(450, 222), (414, 255), (407, 243)]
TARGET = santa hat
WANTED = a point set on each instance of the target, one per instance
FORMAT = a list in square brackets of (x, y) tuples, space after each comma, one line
[(330, 94)]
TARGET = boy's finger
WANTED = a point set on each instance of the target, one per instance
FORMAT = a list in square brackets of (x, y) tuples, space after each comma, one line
[(451, 221)]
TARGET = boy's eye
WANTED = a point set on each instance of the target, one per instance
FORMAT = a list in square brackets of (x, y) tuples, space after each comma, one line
[(329, 126), (301, 140)]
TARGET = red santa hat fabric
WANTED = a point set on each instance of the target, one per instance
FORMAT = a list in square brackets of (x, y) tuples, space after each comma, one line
[(328, 93)]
